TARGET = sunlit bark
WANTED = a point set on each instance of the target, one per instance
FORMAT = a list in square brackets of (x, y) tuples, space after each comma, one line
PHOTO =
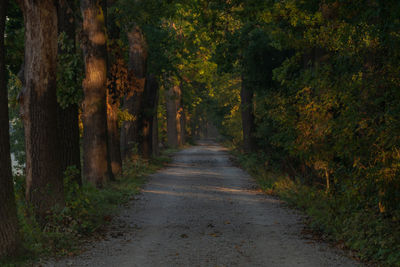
[(95, 164)]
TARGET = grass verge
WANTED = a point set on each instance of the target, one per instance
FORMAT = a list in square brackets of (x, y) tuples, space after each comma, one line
[(338, 218), (88, 210)]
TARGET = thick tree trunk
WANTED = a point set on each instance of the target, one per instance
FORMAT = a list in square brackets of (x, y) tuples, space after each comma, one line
[(68, 120), (44, 176), (149, 112), (131, 135), (246, 95), (95, 154), (8, 212), (172, 101), (114, 134)]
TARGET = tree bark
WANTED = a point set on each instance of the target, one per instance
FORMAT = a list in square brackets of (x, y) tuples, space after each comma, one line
[(68, 117), (114, 134), (44, 176), (110, 172), (95, 154), (182, 125), (131, 135), (246, 95), (154, 131), (8, 213), (150, 102), (172, 100), (117, 84)]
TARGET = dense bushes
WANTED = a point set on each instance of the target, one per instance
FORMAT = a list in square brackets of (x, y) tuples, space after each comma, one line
[(325, 77), (372, 235)]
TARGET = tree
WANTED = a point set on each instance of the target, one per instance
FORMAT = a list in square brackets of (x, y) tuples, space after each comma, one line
[(131, 135), (8, 212), (38, 99), (95, 163), (172, 102), (154, 130), (117, 84), (149, 114), (181, 124), (246, 106), (67, 110)]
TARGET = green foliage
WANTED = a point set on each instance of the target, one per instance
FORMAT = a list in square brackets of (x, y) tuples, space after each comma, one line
[(326, 103), (17, 138), (69, 73), (14, 37), (87, 211), (325, 77), (14, 45), (374, 236)]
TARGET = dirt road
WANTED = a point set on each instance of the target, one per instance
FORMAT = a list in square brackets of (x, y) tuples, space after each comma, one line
[(203, 211)]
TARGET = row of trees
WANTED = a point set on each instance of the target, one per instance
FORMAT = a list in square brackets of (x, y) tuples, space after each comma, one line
[(319, 95), (90, 80), (310, 87)]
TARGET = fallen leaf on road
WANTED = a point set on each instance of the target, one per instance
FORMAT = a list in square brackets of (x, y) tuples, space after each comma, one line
[(215, 234)]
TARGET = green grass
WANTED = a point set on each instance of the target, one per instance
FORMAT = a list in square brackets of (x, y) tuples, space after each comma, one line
[(340, 219), (88, 210)]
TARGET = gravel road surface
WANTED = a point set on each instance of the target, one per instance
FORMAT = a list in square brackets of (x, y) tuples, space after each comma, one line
[(201, 210)]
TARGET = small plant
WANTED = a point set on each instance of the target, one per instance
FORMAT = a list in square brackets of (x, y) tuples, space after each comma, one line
[(87, 209), (338, 216)]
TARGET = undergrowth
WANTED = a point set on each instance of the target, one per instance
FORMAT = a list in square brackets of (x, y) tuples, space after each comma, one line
[(339, 217), (87, 211)]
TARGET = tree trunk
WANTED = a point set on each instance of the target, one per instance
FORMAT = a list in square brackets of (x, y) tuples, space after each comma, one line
[(44, 176), (154, 132), (133, 102), (114, 134), (68, 117), (149, 112), (8, 212), (246, 95), (172, 134), (95, 163), (182, 126), (117, 84), (172, 100), (110, 172), (154, 129)]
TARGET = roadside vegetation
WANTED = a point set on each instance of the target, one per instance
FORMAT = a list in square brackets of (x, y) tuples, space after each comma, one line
[(371, 236), (87, 212), (306, 89)]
